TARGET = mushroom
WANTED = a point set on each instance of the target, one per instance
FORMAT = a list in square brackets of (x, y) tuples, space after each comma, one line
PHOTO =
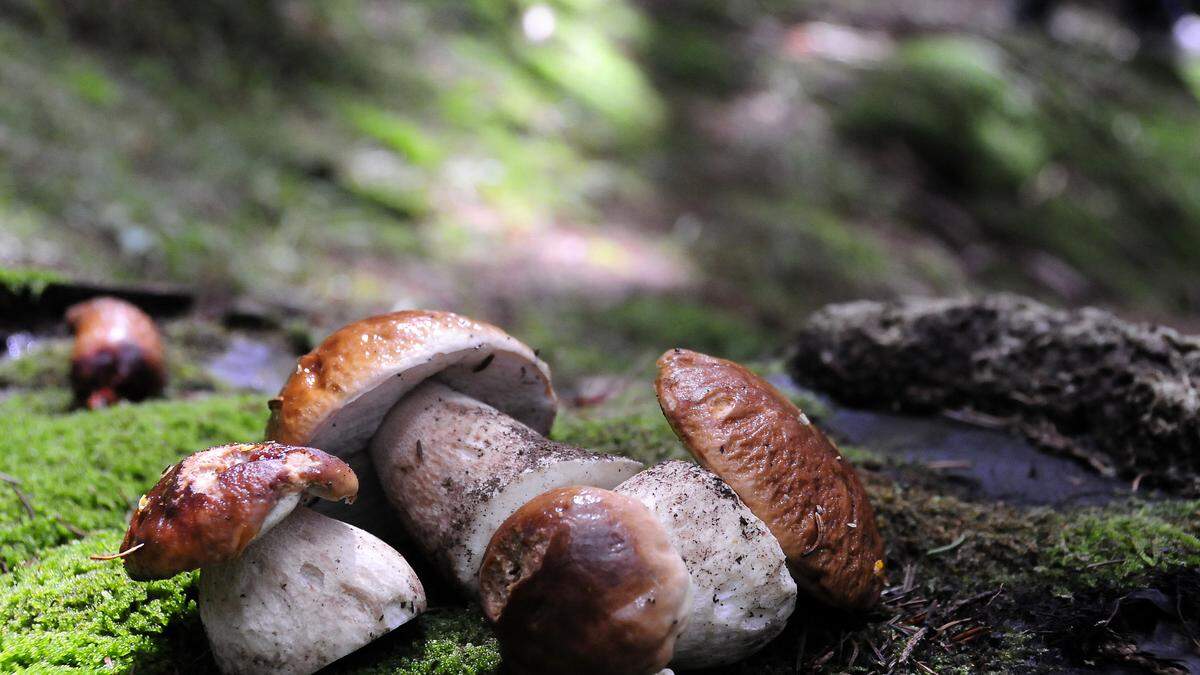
[(584, 580), (282, 589), (743, 593), (453, 412), (118, 353), (784, 469)]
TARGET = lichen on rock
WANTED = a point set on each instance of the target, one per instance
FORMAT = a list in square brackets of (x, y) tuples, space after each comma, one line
[(1123, 396)]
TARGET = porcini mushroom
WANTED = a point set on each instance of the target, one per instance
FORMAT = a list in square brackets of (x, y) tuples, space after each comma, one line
[(281, 589), (785, 470), (457, 468), (742, 591), (454, 413), (118, 353), (584, 580)]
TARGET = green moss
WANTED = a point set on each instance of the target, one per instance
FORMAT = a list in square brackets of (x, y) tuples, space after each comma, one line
[(577, 338), (28, 280), (46, 365), (956, 103), (82, 472), (93, 85), (1113, 546), (642, 434), (46, 401), (443, 641), (396, 132), (68, 613)]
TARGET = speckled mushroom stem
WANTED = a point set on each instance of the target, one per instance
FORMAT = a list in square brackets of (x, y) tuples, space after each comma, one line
[(455, 468), (743, 593)]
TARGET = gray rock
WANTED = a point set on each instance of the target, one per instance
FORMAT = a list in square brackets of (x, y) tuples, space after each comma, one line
[(1122, 396)]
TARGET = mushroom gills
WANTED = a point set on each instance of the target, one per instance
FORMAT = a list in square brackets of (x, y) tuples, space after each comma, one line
[(506, 381), (455, 468), (277, 513), (309, 592), (744, 593)]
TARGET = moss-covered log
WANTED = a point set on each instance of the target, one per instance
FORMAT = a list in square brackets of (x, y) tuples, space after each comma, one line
[(1121, 395)]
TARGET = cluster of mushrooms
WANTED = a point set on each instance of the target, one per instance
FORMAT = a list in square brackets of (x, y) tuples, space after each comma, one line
[(583, 562)]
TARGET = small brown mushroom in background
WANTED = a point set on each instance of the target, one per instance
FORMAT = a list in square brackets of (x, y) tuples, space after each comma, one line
[(790, 475), (282, 589), (584, 580), (447, 416), (118, 353)]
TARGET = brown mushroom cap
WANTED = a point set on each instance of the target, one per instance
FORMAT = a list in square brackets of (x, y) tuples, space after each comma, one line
[(341, 390), (117, 354), (584, 580), (790, 475), (209, 507)]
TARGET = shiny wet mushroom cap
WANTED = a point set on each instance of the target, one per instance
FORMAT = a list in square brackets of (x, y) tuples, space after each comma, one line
[(790, 475), (340, 391), (584, 580), (206, 509), (117, 354)]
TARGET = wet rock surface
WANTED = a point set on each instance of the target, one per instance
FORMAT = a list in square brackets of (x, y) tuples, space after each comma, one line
[(1084, 383)]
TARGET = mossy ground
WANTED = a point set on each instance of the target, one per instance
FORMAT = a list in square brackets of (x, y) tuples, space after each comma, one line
[(357, 157), (80, 472), (27, 280)]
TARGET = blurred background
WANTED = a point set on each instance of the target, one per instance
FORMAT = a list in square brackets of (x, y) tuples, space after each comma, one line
[(605, 177)]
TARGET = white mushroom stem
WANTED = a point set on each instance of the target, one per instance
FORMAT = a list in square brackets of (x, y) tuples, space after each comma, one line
[(455, 468), (305, 594), (743, 592)]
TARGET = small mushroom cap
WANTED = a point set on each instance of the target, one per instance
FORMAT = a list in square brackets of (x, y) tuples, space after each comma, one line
[(340, 391), (790, 475), (117, 354), (209, 507), (584, 580)]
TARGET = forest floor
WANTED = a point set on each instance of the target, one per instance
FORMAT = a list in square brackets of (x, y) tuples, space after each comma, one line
[(645, 177), (1000, 558)]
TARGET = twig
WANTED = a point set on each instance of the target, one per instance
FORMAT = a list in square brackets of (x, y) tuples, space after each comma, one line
[(912, 644), (948, 547), (949, 464), (878, 654), (71, 528), (974, 598), (114, 556), (942, 628), (969, 634), (15, 483)]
